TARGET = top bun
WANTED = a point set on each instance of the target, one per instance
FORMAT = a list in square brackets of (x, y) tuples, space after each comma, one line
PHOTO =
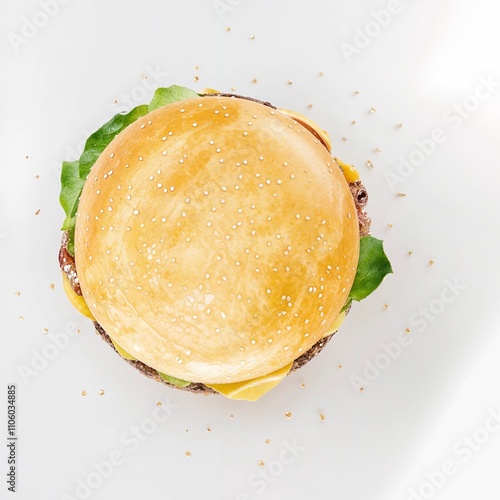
[(216, 239)]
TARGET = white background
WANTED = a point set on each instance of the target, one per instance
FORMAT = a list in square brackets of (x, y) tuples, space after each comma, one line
[(58, 84)]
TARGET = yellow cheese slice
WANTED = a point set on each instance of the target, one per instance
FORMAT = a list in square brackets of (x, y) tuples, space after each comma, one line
[(313, 127), (350, 173), (122, 352), (208, 90), (336, 324), (251, 390), (77, 300)]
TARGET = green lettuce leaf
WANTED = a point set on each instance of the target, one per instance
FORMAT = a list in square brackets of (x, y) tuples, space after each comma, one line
[(100, 139), (373, 267), (71, 187), (74, 174), (174, 381), (168, 95)]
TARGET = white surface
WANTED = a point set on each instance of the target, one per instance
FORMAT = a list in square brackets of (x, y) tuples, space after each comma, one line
[(376, 444)]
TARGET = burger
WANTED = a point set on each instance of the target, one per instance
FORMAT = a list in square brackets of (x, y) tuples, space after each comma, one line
[(214, 241)]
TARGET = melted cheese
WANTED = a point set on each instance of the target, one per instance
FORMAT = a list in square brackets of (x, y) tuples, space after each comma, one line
[(76, 300), (336, 324), (313, 127), (251, 390), (122, 352), (350, 173)]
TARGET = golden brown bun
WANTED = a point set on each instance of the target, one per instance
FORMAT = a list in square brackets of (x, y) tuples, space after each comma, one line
[(216, 240)]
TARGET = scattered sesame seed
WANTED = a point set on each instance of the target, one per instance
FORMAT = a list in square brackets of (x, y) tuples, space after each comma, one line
[(83, 393), (373, 110), (261, 463), (321, 417), (288, 415), (101, 392), (188, 453)]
